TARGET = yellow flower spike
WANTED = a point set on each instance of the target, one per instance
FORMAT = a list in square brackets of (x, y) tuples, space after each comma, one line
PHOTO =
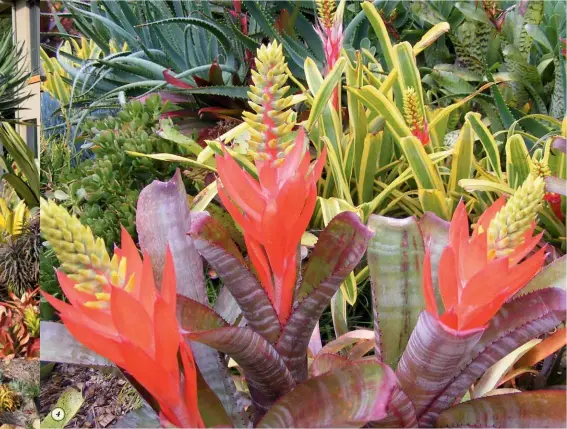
[(507, 229), (103, 296), (97, 305), (412, 112), (326, 11), (540, 168), (269, 127), (122, 272), (129, 287), (83, 256)]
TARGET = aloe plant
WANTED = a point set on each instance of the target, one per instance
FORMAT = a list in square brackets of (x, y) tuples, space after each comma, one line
[(203, 47)]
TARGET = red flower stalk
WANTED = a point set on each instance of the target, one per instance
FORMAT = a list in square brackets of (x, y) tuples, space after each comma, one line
[(273, 213), (554, 201), (135, 326), (330, 30), (477, 275)]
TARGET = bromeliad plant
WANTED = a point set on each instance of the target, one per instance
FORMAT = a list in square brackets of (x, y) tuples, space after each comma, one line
[(116, 310), (19, 326), (431, 323)]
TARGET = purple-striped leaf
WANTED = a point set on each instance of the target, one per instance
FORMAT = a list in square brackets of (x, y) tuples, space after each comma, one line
[(431, 359), (339, 249), (346, 397), (266, 375), (541, 409), (315, 343), (519, 321), (401, 412), (226, 306), (214, 243), (163, 219), (395, 259), (325, 362), (194, 316)]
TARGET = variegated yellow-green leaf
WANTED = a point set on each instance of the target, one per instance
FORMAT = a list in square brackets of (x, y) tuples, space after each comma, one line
[(172, 158), (379, 104), (325, 90), (203, 198), (330, 208), (434, 200), (518, 163), (471, 185), (462, 163), (431, 36), (343, 190), (409, 77), (395, 259), (367, 168), (424, 171), (487, 140)]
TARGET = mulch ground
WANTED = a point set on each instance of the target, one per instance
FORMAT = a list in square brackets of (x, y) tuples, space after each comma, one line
[(106, 395), (24, 371)]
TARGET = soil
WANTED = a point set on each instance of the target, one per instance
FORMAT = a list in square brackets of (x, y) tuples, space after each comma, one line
[(107, 396), (26, 371)]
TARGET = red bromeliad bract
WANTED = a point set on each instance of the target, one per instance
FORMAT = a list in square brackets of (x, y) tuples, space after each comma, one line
[(473, 282), (273, 213), (136, 328)]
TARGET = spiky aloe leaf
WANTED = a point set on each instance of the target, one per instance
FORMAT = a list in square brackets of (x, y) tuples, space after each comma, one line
[(214, 243), (517, 322), (351, 395), (543, 409), (266, 374), (395, 258), (339, 249), (431, 359), (163, 220)]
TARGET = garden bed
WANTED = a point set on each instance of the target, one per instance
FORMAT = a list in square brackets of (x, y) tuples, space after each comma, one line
[(106, 397), (22, 376)]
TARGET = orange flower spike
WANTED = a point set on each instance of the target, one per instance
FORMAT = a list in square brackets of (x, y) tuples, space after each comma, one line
[(128, 321), (287, 203), (274, 210), (478, 273)]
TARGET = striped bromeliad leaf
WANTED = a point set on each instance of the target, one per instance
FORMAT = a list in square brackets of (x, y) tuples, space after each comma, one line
[(348, 396), (450, 349), (163, 222), (395, 259), (266, 374), (544, 409)]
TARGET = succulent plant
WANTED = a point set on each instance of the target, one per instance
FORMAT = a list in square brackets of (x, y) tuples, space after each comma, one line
[(8, 399), (19, 260)]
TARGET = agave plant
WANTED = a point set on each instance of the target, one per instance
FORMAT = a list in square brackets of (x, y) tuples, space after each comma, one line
[(23, 173), (13, 77), (19, 322)]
